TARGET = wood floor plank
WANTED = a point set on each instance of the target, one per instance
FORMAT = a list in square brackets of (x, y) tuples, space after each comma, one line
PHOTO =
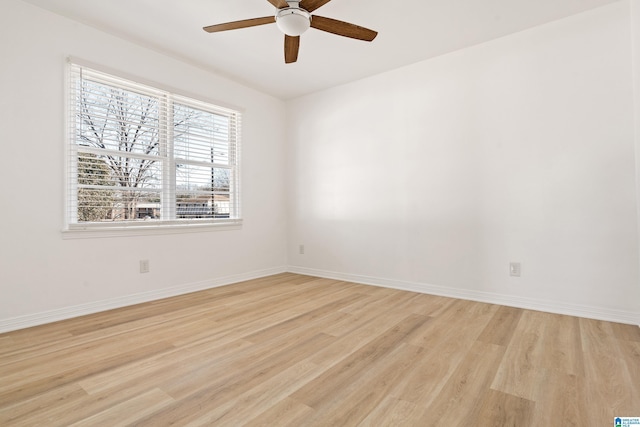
[(135, 408), (173, 320), (502, 326), (457, 317), (6, 341), (630, 353), (358, 330), (23, 411), (626, 332), (606, 377), (295, 350), (464, 390), (324, 387), (431, 373), (562, 345), (74, 409), (260, 398), (296, 322), (390, 412), (559, 401), (24, 384), (216, 368), (383, 294), (287, 412), (351, 404), (24, 340), (77, 350), (164, 367), (429, 305), (225, 387), (502, 409), (518, 373), (371, 311), (241, 324), (146, 310)]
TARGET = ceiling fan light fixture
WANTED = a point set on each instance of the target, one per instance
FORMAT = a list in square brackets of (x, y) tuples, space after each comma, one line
[(293, 21)]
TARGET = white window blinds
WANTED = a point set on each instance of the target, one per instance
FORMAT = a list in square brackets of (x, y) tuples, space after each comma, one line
[(139, 155)]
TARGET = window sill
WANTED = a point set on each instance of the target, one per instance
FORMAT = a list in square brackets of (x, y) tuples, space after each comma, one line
[(93, 231)]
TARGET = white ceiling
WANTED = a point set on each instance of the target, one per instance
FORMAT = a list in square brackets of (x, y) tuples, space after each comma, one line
[(409, 31)]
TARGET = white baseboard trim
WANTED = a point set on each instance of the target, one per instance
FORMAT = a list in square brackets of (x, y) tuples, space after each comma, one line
[(29, 320), (26, 321), (589, 312)]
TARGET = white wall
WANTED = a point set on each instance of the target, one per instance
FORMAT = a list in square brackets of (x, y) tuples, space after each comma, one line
[(39, 271), (635, 26), (431, 177), (435, 176)]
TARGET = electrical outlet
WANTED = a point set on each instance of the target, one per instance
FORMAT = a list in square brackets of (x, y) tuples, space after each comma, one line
[(144, 266), (515, 269), (301, 249)]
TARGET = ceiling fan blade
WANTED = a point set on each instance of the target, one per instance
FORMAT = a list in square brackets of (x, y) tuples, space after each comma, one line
[(311, 5), (240, 24), (342, 28), (279, 3), (291, 48)]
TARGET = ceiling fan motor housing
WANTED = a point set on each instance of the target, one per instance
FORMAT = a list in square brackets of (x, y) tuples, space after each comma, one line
[(293, 21)]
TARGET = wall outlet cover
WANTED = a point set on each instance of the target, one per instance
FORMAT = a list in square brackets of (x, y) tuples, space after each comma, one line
[(515, 269)]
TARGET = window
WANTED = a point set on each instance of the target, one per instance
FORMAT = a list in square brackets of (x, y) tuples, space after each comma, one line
[(141, 156)]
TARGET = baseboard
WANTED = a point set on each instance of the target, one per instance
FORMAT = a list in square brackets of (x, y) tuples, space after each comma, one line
[(597, 313), (27, 321)]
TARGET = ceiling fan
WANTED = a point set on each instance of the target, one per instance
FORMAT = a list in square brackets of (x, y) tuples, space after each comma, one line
[(294, 18)]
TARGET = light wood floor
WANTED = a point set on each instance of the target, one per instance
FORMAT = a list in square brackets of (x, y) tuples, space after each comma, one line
[(297, 350)]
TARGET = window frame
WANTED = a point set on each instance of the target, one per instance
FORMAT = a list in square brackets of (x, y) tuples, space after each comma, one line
[(168, 97)]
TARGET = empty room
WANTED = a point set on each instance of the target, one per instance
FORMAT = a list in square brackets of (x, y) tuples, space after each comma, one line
[(320, 213)]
